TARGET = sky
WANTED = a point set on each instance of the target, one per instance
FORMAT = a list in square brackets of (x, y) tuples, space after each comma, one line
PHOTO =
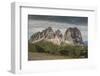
[(38, 23)]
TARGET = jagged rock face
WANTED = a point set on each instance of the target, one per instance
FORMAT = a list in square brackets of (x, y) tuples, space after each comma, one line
[(58, 37), (73, 36), (58, 34), (35, 36), (48, 33)]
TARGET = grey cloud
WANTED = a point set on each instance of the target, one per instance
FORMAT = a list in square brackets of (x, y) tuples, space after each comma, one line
[(39, 23)]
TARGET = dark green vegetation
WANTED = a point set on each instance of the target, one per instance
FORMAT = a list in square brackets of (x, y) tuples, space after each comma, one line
[(58, 50)]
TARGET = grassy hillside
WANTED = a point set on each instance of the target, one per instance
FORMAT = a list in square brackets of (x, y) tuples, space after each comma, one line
[(59, 50)]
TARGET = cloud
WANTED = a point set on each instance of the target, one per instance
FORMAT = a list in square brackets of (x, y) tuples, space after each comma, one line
[(39, 24)]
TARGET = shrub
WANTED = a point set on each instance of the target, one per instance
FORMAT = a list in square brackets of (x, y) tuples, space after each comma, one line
[(84, 52), (31, 47), (39, 48), (66, 50)]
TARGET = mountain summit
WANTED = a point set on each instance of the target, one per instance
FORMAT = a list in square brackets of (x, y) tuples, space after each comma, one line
[(71, 36)]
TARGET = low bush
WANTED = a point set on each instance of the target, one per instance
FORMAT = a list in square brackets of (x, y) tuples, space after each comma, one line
[(39, 48), (66, 50)]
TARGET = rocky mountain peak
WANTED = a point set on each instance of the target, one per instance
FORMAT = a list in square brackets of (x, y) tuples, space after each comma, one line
[(58, 33), (49, 29), (71, 36), (48, 33)]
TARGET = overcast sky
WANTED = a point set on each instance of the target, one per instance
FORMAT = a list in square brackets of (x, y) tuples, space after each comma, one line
[(38, 23)]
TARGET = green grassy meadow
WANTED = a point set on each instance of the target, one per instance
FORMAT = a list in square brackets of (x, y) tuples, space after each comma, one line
[(48, 51)]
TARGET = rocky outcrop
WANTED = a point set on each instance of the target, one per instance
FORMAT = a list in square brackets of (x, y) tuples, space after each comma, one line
[(71, 36), (48, 33)]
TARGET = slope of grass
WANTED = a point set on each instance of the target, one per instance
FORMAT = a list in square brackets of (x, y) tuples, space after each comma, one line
[(60, 50)]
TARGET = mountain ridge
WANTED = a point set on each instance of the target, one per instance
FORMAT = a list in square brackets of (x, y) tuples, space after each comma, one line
[(71, 36)]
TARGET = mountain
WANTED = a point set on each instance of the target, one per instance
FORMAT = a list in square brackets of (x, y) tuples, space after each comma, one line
[(71, 36), (48, 33)]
